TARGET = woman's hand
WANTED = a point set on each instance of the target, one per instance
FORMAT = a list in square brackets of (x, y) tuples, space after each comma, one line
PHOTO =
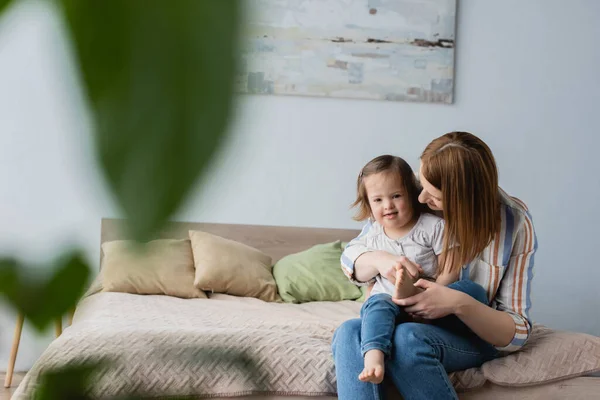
[(436, 301), (413, 269)]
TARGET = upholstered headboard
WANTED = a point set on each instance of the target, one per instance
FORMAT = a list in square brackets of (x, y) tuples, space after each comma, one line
[(276, 241)]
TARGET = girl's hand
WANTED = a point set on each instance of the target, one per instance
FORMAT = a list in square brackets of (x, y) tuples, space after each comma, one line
[(436, 301), (413, 269)]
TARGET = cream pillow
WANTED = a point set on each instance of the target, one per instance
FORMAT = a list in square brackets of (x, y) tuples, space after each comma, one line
[(226, 266), (548, 356), (164, 266)]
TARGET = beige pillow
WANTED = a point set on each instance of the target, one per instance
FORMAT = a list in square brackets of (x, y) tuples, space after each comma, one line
[(548, 356), (163, 266), (226, 266), (95, 287)]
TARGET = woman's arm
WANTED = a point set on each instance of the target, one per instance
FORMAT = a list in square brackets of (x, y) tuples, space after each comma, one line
[(438, 301), (514, 295), (493, 326), (508, 327)]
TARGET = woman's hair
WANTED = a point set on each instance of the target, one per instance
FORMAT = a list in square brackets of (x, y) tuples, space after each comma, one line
[(462, 167), (387, 163)]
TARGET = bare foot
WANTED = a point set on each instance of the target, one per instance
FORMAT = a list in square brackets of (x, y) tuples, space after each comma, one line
[(374, 367), (404, 284)]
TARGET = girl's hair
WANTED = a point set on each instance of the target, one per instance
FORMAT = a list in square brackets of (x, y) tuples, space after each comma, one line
[(387, 163), (462, 167)]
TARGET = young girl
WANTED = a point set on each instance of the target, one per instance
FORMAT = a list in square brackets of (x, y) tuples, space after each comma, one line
[(387, 195)]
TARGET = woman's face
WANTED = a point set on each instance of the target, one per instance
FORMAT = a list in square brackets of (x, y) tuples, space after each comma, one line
[(430, 195)]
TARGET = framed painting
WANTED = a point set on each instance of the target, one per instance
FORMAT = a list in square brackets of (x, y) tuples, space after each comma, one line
[(396, 50)]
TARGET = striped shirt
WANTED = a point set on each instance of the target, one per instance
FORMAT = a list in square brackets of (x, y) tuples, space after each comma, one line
[(504, 268)]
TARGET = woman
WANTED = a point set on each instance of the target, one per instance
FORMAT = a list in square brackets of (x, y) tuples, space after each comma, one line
[(492, 242)]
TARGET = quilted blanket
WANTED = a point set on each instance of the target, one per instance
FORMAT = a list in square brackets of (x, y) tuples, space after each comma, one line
[(169, 346), (165, 346)]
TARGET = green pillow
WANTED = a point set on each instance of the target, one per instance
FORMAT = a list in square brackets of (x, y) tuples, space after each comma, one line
[(314, 275)]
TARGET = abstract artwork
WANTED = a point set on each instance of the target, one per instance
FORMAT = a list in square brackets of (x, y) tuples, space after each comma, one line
[(397, 50)]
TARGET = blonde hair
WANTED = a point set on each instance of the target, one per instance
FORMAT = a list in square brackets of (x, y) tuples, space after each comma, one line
[(462, 167), (387, 163)]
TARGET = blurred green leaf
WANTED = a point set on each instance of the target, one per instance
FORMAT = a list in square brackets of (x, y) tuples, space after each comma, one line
[(73, 381), (4, 4), (159, 75), (43, 301), (67, 383), (239, 359)]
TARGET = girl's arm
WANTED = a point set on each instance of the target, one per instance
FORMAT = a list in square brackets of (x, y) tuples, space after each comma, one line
[(445, 277), (354, 250), (362, 264), (368, 265)]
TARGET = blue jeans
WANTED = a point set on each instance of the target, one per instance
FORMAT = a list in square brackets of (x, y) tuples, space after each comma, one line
[(420, 355), (379, 317)]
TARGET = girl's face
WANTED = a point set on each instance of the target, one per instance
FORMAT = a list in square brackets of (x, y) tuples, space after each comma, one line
[(388, 201), (430, 195)]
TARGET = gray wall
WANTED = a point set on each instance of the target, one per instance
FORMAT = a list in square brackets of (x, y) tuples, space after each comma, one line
[(527, 82)]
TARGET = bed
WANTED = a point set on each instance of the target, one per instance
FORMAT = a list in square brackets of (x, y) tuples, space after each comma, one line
[(171, 347)]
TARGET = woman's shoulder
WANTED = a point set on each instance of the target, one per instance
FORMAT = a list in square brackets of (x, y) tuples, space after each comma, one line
[(517, 234), (513, 202), (514, 212)]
